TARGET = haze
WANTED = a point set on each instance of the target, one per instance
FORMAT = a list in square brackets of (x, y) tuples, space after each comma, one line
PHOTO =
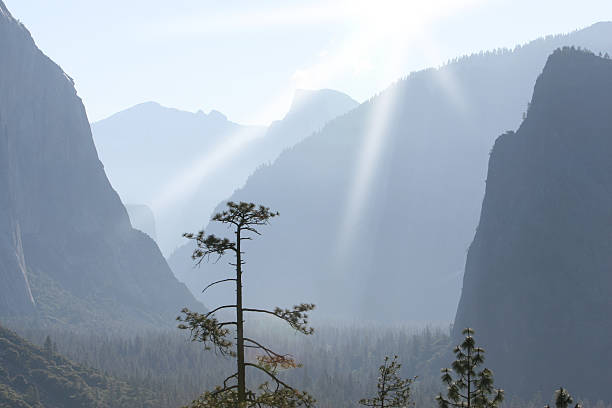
[(246, 58)]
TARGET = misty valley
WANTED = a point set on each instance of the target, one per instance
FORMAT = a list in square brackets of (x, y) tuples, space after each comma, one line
[(444, 241)]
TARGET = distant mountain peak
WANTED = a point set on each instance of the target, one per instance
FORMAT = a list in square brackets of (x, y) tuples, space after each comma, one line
[(155, 108), (150, 103), (307, 98), (215, 114)]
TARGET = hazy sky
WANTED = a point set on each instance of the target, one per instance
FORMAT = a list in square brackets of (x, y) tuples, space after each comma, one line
[(245, 57)]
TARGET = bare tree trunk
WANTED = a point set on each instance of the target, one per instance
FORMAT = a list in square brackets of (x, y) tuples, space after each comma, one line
[(469, 380), (240, 323)]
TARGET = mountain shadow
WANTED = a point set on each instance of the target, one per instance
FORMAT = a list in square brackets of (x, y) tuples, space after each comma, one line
[(68, 254), (538, 286)]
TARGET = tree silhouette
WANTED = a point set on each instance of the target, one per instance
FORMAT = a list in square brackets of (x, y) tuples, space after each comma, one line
[(393, 391), (470, 388), (245, 219), (48, 346), (563, 399)]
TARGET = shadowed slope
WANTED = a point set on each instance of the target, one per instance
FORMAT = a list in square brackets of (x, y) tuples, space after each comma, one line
[(68, 253), (538, 281)]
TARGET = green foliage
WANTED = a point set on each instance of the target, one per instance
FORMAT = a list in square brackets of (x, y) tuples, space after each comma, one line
[(33, 377), (244, 218), (471, 388), (206, 330), (266, 397), (393, 391), (563, 399), (341, 360)]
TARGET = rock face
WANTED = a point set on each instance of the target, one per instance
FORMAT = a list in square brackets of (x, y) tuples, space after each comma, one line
[(142, 219), (67, 250), (538, 279), (181, 164), (380, 206)]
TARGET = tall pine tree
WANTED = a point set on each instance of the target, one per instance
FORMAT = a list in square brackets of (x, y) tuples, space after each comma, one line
[(470, 387), (245, 219)]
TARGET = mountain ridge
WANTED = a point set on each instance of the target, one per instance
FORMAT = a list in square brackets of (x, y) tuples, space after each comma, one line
[(148, 150), (427, 138), (540, 258), (68, 253)]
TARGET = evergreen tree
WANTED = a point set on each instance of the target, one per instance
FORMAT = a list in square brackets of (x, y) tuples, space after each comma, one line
[(48, 346), (245, 219), (563, 399), (393, 391), (471, 388)]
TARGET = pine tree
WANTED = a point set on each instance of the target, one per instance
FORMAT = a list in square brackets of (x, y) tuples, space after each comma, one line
[(393, 391), (245, 219), (48, 346), (563, 399), (471, 388)]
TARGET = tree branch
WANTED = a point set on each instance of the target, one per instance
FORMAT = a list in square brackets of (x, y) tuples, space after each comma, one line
[(219, 308), (267, 350), (271, 375), (219, 281), (227, 379), (297, 318)]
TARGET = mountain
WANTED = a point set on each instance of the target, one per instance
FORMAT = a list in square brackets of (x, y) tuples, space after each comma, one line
[(309, 112), (381, 204), (182, 164), (538, 281), (68, 254), (34, 377), (142, 219), (149, 150)]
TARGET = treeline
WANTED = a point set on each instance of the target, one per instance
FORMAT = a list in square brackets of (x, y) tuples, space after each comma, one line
[(38, 377), (340, 363)]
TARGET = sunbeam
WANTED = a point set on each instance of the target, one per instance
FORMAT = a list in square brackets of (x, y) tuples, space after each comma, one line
[(401, 40), (192, 176), (367, 162)]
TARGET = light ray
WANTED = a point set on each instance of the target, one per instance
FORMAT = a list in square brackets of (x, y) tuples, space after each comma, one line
[(384, 105), (191, 177), (364, 173), (384, 29)]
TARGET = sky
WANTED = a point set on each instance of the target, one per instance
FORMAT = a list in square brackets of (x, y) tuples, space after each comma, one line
[(245, 58)]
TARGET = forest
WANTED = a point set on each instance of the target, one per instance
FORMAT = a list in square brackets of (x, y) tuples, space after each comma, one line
[(440, 238)]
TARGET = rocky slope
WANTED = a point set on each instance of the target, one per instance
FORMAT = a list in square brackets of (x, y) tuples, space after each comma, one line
[(68, 253), (378, 209), (538, 279)]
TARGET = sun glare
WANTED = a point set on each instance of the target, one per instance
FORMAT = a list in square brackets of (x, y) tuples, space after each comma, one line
[(388, 29)]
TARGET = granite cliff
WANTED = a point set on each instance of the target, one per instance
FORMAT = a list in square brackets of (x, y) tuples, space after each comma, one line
[(538, 279), (68, 254)]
